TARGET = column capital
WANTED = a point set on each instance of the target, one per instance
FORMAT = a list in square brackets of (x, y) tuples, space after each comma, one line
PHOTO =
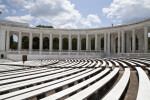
[(122, 31), (145, 29), (133, 30), (119, 32)]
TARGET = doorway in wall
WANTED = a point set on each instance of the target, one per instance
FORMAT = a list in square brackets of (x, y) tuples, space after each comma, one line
[(2, 56)]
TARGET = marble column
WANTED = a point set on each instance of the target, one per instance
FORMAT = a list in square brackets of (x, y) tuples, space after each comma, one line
[(8, 40), (118, 41), (95, 42), (70, 43), (145, 40), (60, 42), (108, 43), (123, 41), (133, 41), (20, 41), (98, 44), (30, 42), (41, 42), (50, 43), (78, 42), (105, 42), (87, 43)]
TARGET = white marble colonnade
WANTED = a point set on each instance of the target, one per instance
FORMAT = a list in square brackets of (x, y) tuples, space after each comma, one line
[(107, 41)]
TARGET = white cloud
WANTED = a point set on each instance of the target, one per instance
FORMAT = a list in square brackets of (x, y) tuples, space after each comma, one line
[(61, 14), (93, 18), (25, 18), (58, 13), (2, 6), (128, 11), (13, 11), (16, 2), (6, 10), (50, 7)]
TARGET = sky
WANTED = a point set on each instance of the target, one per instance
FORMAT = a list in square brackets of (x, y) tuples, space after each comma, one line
[(75, 14)]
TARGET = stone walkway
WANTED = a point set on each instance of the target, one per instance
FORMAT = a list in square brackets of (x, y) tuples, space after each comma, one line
[(5, 60)]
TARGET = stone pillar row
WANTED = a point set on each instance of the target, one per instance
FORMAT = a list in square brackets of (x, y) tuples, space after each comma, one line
[(107, 42)]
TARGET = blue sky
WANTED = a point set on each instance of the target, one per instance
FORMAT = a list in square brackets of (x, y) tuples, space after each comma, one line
[(75, 14)]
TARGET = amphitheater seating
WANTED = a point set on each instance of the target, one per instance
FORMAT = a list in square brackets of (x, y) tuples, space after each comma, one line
[(77, 87), (119, 88), (6, 68), (84, 94), (122, 63), (51, 88), (34, 63), (115, 63), (40, 86), (109, 64), (37, 80), (74, 79), (104, 64), (144, 85), (142, 61)]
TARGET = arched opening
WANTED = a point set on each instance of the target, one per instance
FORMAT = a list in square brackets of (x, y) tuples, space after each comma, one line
[(116, 45), (35, 43), (45, 43), (137, 43), (13, 42), (148, 41), (131, 44), (93, 44), (74, 44), (83, 44), (65, 44), (55, 44), (25, 42), (102, 43)]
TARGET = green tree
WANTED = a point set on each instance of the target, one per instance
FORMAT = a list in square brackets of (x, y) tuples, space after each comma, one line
[(11, 41), (13, 44), (83, 44), (137, 43), (93, 44), (65, 44), (35, 43), (46, 43), (25, 42), (55, 43), (102, 44), (74, 44), (43, 26)]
